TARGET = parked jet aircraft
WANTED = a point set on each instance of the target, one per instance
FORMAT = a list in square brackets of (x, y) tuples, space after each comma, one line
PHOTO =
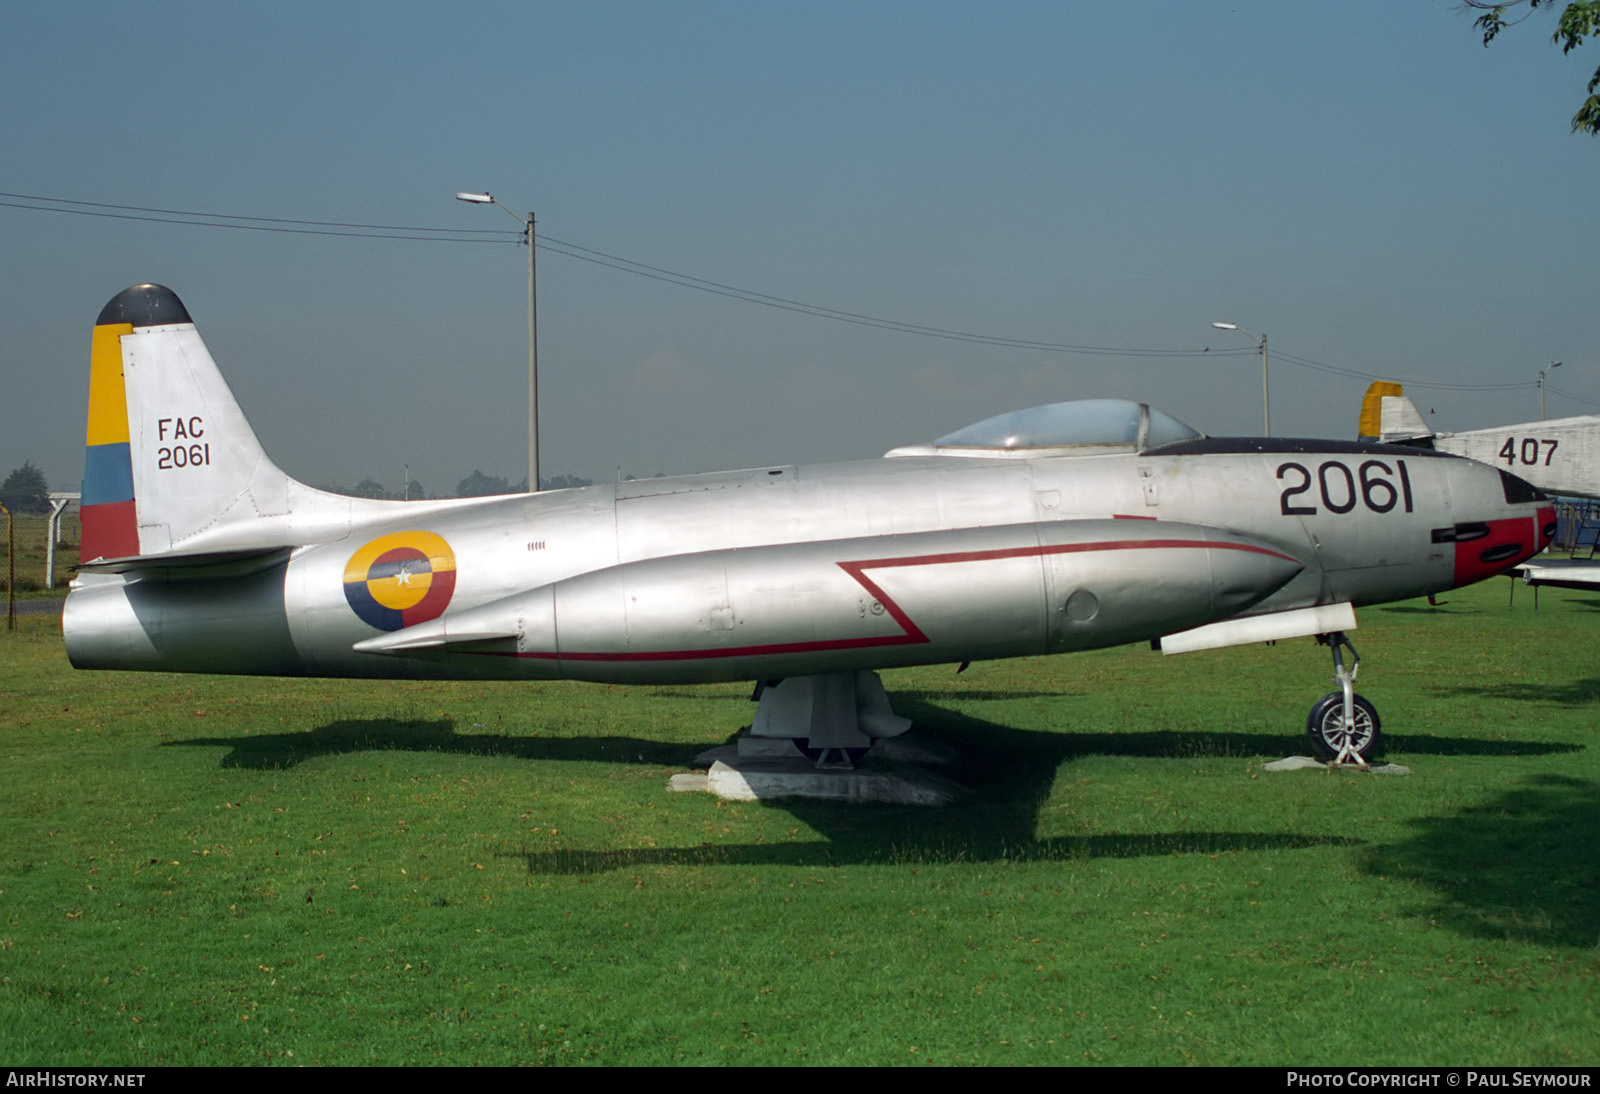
[(1560, 456), (1064, 527)]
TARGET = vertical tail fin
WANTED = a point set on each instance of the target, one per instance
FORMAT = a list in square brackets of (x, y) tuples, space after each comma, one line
[(172, 465), (1387, 415), (110, 522)]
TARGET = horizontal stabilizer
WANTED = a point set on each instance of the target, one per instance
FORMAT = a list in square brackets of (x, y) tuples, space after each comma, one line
[(197, 564)]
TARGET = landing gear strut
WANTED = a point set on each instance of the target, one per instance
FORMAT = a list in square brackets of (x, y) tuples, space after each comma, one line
[(1343, 726)]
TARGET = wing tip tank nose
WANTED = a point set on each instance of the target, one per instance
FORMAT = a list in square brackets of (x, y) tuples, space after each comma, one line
[(1246, 570), (144, 306)]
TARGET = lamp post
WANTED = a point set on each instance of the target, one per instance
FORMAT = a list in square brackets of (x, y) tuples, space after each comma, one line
[(1547, 368), (533, 331), (1266, 403)]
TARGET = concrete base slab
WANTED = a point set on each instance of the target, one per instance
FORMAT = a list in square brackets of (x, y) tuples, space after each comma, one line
[(913, 748), (1300, 763), (895, 771), (909, 785)]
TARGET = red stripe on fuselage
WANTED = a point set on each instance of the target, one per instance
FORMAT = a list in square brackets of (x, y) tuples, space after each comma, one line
[(913, 635)]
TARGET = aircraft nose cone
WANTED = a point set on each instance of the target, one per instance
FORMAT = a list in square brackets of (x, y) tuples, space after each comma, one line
[(1517, 522)]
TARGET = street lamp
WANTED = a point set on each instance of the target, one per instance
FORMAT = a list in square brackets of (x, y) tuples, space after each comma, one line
[(1547, 368), (1266, 404), (533, 331)]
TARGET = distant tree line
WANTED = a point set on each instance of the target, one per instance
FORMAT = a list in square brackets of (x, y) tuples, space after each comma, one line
[(475, 485), (25, 490)]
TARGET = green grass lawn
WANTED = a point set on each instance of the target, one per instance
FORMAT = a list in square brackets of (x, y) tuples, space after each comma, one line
[(221, 870)]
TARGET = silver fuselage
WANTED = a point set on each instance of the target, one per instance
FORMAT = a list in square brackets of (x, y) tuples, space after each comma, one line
[(792, 570)]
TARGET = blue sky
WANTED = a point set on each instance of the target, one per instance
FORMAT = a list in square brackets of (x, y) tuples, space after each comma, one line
[(1362, 181)]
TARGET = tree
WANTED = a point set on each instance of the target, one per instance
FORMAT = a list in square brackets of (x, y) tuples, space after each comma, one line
[(479, 485), (372, 488), (1580, 19), (25, 490)]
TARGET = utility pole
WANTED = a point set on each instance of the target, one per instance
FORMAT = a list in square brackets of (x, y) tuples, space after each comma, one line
[(1266, 400), (1547, 368), (528, 239)]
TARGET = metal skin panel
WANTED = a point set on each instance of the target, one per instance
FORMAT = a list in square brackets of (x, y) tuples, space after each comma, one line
[(816, 608), (754, 574), (826, 501), (807, 608), (502, 546), (1366, 545), (234, 623), (199, 449)]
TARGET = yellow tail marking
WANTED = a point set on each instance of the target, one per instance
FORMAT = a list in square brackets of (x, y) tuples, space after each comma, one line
[(108, 397), (1371, 427)]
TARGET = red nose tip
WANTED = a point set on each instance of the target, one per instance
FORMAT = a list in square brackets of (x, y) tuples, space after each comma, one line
[(1497, 545)]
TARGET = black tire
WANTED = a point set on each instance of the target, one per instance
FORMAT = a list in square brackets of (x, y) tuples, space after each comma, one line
[(1326, 730)]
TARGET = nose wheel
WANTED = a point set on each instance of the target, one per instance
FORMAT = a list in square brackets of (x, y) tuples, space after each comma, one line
[(1343, 726)]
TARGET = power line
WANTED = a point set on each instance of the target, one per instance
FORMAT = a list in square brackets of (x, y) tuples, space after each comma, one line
[(583, 254), (1357, 374), (688, 281), (267, 224), (1569, 395), (628, 265), (269, 220), (656, 273)]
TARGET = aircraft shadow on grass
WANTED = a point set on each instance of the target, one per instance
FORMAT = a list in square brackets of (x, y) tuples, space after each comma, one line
[(279, 751), (1574, 693), (1520, 867), (1010, 770)]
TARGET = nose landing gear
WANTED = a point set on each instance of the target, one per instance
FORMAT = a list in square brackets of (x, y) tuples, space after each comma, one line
[(1343, 726)]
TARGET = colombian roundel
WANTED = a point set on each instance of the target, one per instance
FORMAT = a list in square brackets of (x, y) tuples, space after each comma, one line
[(400, 579)]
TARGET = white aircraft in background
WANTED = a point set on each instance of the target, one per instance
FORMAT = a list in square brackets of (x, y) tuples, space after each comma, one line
[(1560, 456)]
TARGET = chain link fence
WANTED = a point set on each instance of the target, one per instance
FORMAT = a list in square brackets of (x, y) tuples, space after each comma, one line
[(32, 567)]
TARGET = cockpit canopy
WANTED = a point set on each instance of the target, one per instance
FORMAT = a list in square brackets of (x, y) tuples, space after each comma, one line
[(1086, 427)]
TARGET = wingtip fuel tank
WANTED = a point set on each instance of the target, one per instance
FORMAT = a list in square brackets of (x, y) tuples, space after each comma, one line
[(872, 602)]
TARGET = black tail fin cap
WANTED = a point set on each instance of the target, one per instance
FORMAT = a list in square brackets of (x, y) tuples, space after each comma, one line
[(145, 306)]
